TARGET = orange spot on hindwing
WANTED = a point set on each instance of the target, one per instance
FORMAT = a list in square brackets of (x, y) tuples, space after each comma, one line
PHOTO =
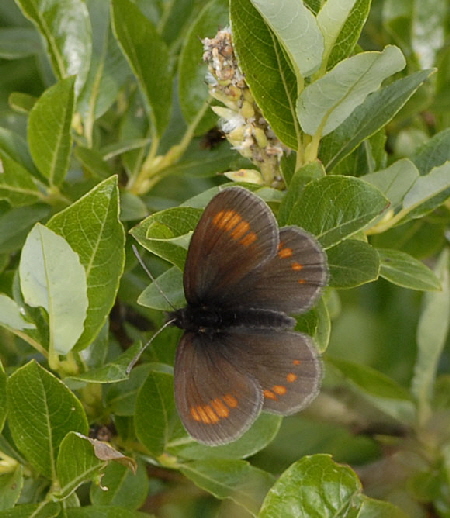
[(216, 410)]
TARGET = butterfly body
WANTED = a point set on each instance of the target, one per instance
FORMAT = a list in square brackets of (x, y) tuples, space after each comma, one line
[(243, 277)]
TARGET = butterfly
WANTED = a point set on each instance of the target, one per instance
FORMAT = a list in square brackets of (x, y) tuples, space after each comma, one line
[(238, 355)]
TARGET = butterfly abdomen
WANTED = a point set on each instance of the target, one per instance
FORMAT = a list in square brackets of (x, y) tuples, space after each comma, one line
[(210, 319)]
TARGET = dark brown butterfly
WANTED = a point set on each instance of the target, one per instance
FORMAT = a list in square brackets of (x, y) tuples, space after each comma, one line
[(243, 277)]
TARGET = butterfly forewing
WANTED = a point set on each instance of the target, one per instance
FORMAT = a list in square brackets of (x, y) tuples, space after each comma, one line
[(236, 234), (216, 401)]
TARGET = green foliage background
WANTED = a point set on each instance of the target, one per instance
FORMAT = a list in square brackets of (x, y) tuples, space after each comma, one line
[(103, 114)]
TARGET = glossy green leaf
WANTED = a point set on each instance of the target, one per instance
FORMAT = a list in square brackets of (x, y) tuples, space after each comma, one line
[(65, 27), (234, 479), (125, 488), (352, 263), (76, 463), (156, 418), (148, 57), (92, 228), (297, 30), (382, 392), (317, 487), (403, 270), (167, 233), (50, 270), (49, 131), (327, 102), (432, 332), (427, 193), (41, 412), (267, 70), (192, 88), (395, 181), (374, 113), (334, 208)]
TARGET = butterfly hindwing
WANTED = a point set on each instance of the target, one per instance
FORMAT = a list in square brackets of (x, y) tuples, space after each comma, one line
[(236, 234), (216, 401), (285, 364)]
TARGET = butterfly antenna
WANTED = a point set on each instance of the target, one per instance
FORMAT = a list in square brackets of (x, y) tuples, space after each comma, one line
[(138, 355), (147, 271)]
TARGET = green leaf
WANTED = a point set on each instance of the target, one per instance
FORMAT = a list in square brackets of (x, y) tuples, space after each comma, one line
[(395, 181), (2, 399), (92, 228), (148, 57), (334, 208), (434, 153), (18, 42), (49, 131), (267, 70), (65, 27), (261, 433), (16, 223), (11, 485), (108, 70), (125, 488), (171, 284), (297, 30), (42, 510), (402, 269), (317, 487), (427, 193), (382, 392), (17, 186), (167, 233), (374, 113), (76, 463), (233, 479), (11, 316), (114, 371), (52, 277), (326, 103), (432, 332), (156, 418), (350, 30), (192, 89), (41, 412), (352, 263), (14, 147), (103, 511)]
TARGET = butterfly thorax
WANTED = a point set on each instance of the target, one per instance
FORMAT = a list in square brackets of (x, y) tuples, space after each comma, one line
[(209, 319)]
